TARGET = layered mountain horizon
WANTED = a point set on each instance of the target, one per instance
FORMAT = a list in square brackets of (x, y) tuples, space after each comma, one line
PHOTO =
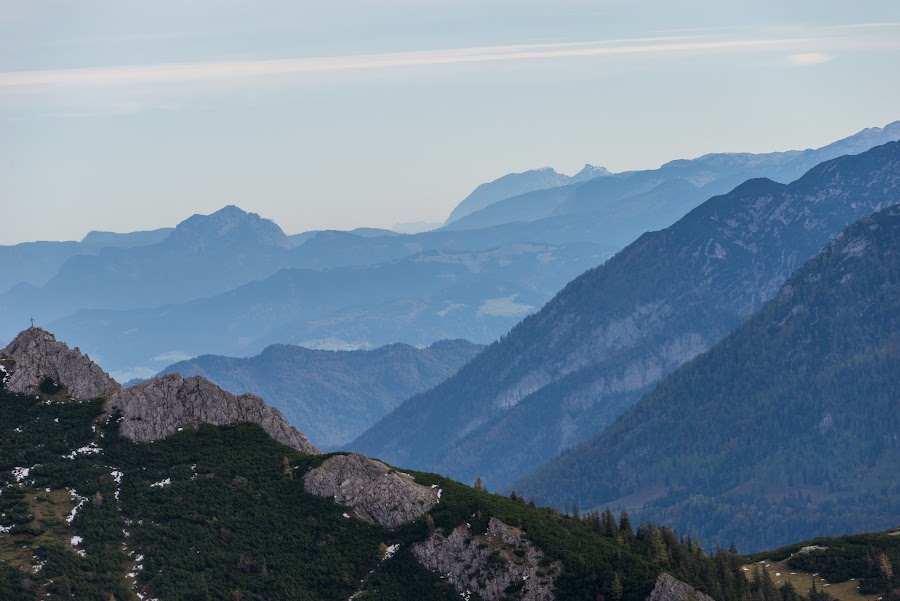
[(132, 301), (730, 376), (568, 371)]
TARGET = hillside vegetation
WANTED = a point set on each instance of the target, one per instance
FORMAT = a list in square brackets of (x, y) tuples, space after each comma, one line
[(786, 429), (221, 513)]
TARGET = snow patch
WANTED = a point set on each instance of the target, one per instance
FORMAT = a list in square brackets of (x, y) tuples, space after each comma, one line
[(91, 449), (162, 483), (20, 473), (391, 551), (75, 509), (117, 476)]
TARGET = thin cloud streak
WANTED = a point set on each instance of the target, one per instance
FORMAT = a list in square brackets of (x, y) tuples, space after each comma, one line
[(806, 59), (220, 70)]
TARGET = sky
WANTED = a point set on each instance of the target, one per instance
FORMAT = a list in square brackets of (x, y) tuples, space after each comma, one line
[(122, 115)]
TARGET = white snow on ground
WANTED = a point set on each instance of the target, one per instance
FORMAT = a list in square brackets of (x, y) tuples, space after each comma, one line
[(117, 476), (91, 449), (76, 540), (391, 550), (20, 473), (75, 509), (439, 491), (162, 483)]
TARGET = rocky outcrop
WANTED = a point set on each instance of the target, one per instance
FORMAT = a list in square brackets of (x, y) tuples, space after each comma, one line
[(161, 406), (374, 491), (669, 588), (35, 354), (493, 565)]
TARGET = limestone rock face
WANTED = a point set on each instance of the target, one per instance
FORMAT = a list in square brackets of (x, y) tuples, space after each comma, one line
[(35, 354), (669, 588), (490, 563), (160, 406), (374, 491)]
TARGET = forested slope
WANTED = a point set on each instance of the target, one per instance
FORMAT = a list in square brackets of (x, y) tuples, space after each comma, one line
[(785, 430)]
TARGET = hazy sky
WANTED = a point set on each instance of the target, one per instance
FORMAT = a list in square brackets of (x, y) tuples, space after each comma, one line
[(123, 115)]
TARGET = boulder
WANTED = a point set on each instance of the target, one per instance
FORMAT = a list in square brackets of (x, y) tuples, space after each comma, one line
[(669, 588), (374, 491), (492, 564)]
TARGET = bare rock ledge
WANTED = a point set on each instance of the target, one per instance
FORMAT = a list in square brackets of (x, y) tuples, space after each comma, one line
[(490, 563), (35, 354), (374, 491), (669, 588), (161, 406)]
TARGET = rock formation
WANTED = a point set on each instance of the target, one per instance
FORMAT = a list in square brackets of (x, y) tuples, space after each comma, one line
[(372, 489), (669, 588), (493, 564), (161, 406), (35, 354)]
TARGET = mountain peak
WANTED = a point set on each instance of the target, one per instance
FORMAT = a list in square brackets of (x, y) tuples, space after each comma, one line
[(230, 225), (589, 172), (35, 355)]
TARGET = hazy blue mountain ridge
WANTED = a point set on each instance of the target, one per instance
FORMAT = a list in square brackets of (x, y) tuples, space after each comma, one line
[(34, 263), (417, 300), (662, 196), (204, 255), (336, 395), (564, 373), (514, 184)]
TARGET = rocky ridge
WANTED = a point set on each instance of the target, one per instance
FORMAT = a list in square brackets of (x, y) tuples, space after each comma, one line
[(35, 354), (374, 491), (491, 565), (161, 406), (669, 588)]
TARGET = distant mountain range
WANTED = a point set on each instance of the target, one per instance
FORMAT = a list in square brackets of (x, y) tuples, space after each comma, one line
[(566, 372), (656, 198), (420, 299), (34, 263), (785, 429), (204, 255), (335, 395), (233, 282), (514, 184)]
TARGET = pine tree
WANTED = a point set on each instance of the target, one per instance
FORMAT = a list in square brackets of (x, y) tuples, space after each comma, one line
[(625, 525), (616, 588)]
